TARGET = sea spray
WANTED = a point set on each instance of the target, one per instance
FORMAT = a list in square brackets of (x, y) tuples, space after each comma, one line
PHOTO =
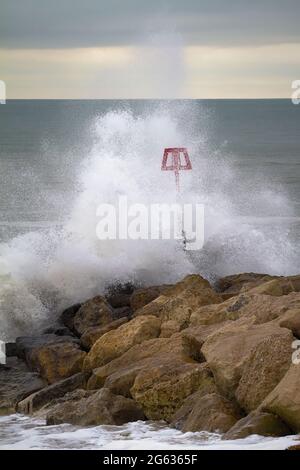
[(44, 271)]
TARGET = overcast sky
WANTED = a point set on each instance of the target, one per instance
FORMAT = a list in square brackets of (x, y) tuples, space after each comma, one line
[(149, 49)]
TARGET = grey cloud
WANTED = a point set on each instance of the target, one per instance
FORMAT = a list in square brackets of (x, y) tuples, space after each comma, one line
[(86, 23)]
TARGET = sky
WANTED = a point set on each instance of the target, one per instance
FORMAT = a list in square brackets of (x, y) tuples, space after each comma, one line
[(88, 49)]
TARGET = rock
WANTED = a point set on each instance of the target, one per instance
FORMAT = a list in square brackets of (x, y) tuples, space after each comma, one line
[(296, 447), (284, 400), (91, 335), (264, 308), (58, 330), (16, 383), (291, 320), (67, 316), (37, 400), (94, 312), (144, 296), (266, 365), (119, 295), (210, 412), (228, 349), (56, 361), (116, 342), (169, 328), (231, 286), (206, 387), (181, 300), (122, 312), (262, 424), (26, 344), (276, 287), (161, 389), (10, 349), (157, 373), (102, 407)]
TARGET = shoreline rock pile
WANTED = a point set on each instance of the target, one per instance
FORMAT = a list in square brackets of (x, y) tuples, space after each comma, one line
[(201, 358)]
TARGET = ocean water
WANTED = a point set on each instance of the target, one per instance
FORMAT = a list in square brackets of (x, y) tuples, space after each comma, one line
[(20, 432), (60, 159)]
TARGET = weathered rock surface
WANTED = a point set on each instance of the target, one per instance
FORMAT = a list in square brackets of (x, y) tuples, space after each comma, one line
[(231, 286), (161, 389), (16, 383), (262, 307), (284, 400), (94, 312), (25, 345), (262, 424), (144, 296), (169, 328), (291, 320), (116, 342), (181, 300), (92, 334), (266, 365), (210, 412), (67, 316), (56, 361), (101, 407), (228, 349), (37, 400)]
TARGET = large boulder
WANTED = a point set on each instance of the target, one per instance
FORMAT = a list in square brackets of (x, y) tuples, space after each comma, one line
[(116, 342), (284, 400), (264, 308), (25, 345), (56, 361), (259, 423), (67, 316), (266, 365), (94, 312), (92, 409), (143, 296), (279, 286), (92, 334), (233, 285), (37, 400), (210, 412), (158, 374), (228, 349), (162, 388), (181, 300), (291, 320), (16, 383)]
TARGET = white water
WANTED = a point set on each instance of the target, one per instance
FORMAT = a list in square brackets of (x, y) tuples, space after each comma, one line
[(44, 271), (19, 432)]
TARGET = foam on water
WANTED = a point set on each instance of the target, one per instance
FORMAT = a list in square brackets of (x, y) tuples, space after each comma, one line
[(43, 271), (20, 432)]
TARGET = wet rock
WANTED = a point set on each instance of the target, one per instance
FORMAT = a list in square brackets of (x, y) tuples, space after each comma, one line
[(181, 300), (144, 296), (267, 364), (210, 412), (116, 342), (262, 424), (101, 407), (161, 389), (94, 312), (231, 286), (37, 400), (228, 350), (284, 400), (16, 383), (119, 295), (25, 345), (91, 335), (67, 316)]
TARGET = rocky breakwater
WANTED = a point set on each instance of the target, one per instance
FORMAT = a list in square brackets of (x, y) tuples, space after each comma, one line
[(201, 358)]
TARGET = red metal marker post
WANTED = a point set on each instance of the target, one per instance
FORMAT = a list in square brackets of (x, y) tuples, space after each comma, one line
[(176, 159)]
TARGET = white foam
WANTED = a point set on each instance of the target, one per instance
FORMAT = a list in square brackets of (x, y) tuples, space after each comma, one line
[(20, 432), (46, 270)]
